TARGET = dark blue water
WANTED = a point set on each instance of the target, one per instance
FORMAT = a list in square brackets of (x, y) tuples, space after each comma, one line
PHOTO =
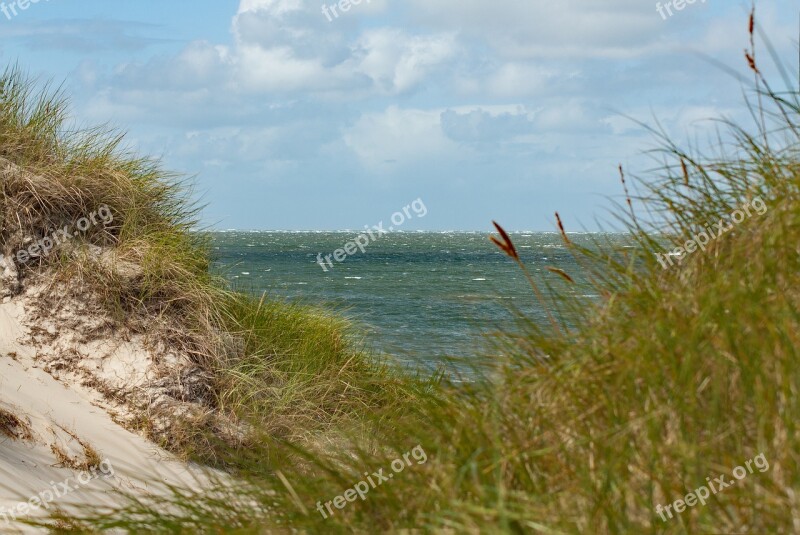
[(417, 296)]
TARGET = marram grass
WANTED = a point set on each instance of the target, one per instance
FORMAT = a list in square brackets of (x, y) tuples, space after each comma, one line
[(284, 369)]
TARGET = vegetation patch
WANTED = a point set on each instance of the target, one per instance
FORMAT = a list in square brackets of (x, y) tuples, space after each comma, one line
[(13, 427)]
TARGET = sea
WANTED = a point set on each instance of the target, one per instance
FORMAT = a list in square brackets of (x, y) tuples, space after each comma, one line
[(423, 299)]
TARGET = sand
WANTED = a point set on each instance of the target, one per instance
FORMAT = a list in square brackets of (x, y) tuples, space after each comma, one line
[(67, 422)]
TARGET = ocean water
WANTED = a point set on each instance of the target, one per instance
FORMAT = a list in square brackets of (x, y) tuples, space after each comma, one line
[(418, 296)]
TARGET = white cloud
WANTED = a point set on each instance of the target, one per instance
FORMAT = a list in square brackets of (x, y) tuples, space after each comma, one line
[(537, 29), (399, 136), (276, 69), (518, 79), (288, 45), (397, 61), (487, 126)]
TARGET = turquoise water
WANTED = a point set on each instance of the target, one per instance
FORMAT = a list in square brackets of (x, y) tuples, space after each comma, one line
[(419, 296)]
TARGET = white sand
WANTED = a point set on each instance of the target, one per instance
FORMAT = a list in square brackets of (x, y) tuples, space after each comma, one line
[(68, 416)]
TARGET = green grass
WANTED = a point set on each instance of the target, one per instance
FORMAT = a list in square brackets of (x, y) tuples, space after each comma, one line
[(583, 427), (281, 369)]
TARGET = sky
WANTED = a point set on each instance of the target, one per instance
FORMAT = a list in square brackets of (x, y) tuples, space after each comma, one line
[(288, 116)]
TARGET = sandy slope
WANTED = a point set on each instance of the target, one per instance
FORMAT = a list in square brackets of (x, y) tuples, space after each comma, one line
[(67, 424)]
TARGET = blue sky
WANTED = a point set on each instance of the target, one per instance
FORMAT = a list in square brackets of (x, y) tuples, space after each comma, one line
[(485, 109)]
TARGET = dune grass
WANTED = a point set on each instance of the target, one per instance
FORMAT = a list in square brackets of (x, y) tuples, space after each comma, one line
[(582, 426), (284, 369)]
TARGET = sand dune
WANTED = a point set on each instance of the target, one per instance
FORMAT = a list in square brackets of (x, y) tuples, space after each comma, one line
[(63, 427)]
